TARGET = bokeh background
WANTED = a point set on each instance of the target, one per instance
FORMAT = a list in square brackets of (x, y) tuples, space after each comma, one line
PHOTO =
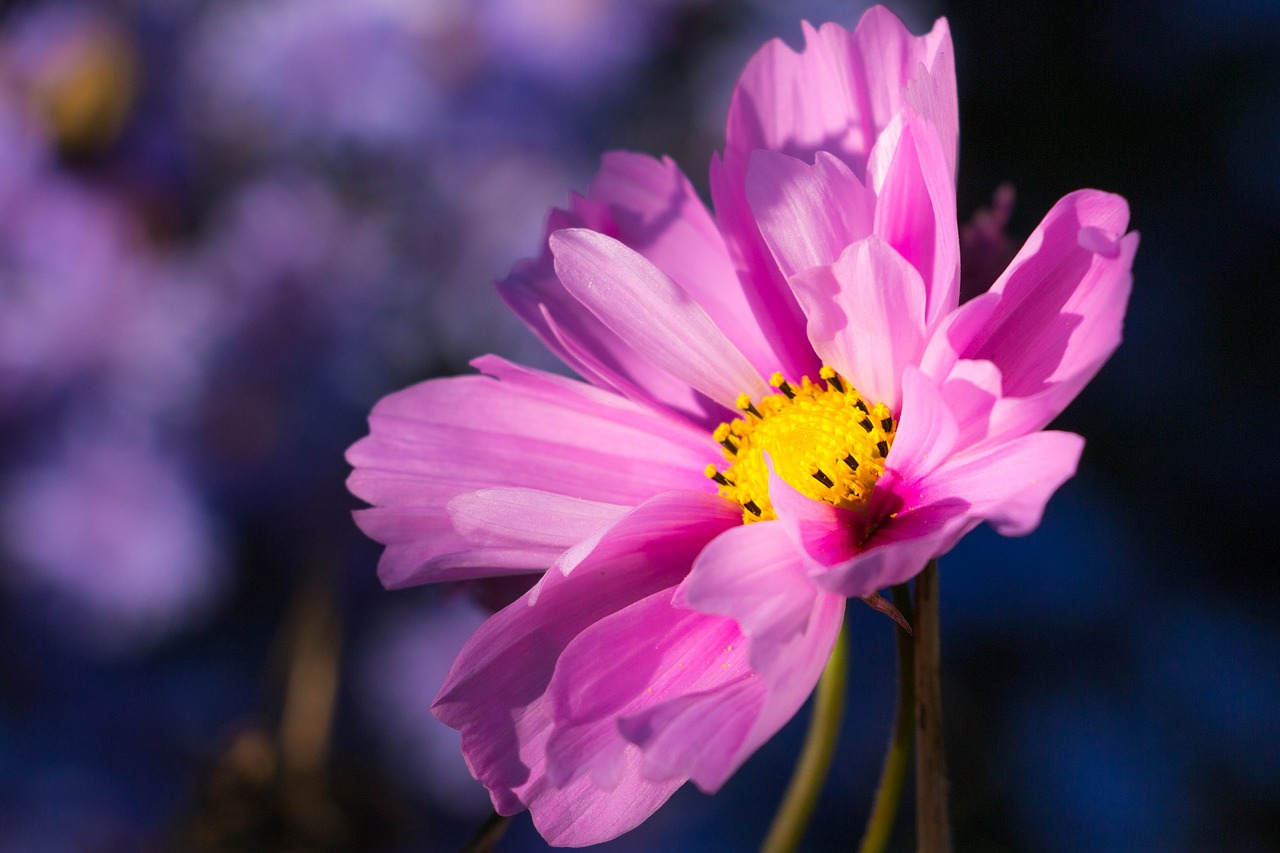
[(227, 228)]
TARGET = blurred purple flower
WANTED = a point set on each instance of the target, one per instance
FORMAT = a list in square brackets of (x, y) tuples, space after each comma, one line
[(407, 650), (576, 45), (113, 537), (68, 258), (305, 71)]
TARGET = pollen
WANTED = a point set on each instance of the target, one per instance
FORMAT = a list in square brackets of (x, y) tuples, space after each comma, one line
[(824, 440)]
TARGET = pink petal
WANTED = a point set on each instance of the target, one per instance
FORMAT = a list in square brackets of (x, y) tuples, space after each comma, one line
[(656, 212), (1005, 484), (766, 290), (755, 575), (898, 551), (927, 433), (916, 214), (699, 736), (693, 734), (527, 519), (841, 91), (819, 530), (601, 678), (667, 513), (970, 393), (578, 338), (807, 214), (434, 441), (1059, 311), (1008, 484), (866, 317), (650, 312), (497, 696)]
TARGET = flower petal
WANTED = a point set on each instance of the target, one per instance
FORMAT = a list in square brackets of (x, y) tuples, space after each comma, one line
[(651, 313), (817, 529), (842, 90), (765, 288), (807, 214), (656, 211), (898, 551), (1057, 312), (434, 441), (601, 678), (927, 433), (695, 734), (916, 214), (663, 513), (577, 336), (688, 734), (528, 519), (1007, 484), (866, 317), (497, 696)]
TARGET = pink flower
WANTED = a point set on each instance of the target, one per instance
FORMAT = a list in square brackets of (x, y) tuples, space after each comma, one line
[(699, 529)]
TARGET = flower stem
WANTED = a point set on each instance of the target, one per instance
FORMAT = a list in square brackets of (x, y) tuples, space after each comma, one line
[(898, 757), (488, 834), (797, 805), (933, 833)]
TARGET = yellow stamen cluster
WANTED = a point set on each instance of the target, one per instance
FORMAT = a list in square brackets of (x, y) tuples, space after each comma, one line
[(825, 441)]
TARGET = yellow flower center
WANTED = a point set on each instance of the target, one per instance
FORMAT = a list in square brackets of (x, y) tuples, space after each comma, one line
[(827, 443)]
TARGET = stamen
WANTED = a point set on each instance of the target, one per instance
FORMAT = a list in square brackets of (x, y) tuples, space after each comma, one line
[(809, 434), (713, 474), (832, 378), (777, 381)]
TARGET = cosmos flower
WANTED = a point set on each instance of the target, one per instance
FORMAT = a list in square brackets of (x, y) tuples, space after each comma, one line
[(785, 406)]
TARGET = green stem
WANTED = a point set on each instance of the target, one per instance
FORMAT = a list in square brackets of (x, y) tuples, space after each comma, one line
[(488, 834), (797, 805), (897, 758), (933, 833)]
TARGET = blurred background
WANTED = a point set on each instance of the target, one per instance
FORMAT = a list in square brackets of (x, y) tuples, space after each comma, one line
[(228, 228)]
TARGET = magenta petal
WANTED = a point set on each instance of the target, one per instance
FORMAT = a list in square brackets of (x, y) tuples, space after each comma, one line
[(927, 434), (756, 576), (699, 736), (807, 214), (899, 550), (819, 530), (528, 519), (691, 734), (841, 91), (656, 211), (971, 392), (805, 656), (1008, 484), (434, 441), (577, 336), (866, 317), (602, 677), (1060, 309), (629, 540), (650, 312), (916, 214), (497, 692)]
